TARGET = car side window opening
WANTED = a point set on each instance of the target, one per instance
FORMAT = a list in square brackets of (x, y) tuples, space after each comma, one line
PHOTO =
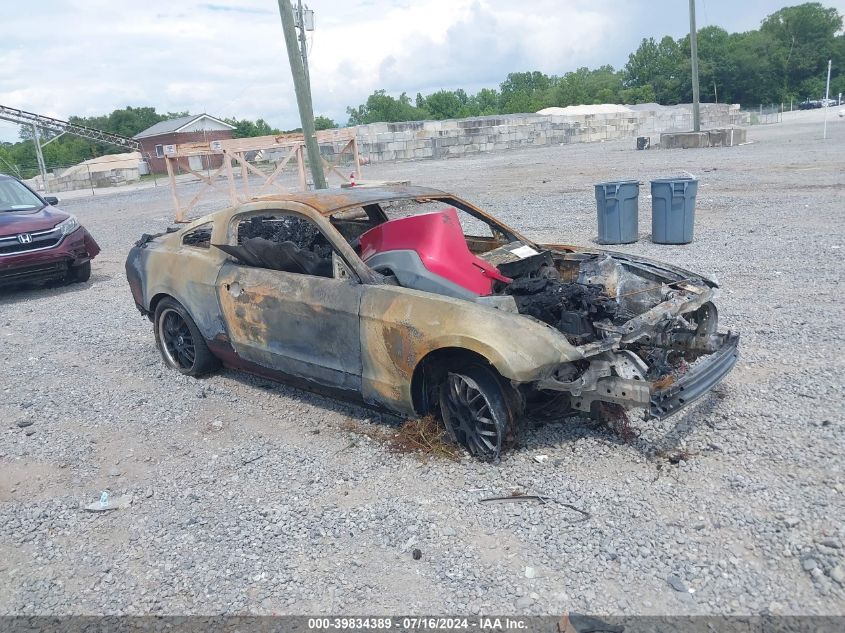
[(199, 237), (353, 223), (284, 242)]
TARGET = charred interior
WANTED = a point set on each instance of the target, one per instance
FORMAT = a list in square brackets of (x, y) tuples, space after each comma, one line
[(286, 242)]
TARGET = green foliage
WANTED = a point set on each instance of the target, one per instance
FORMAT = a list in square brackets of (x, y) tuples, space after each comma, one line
[(19, 158), (245, 128), (324, 123), (524, 92), (803, 38), (381, 107), (659, 65), (785, 58)]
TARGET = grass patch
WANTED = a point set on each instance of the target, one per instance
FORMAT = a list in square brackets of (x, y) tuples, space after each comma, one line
[(420, 436), (424, 436)]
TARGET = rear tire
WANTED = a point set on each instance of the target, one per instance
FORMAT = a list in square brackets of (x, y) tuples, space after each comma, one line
[(79, 274), (180, 342), (474, 406)]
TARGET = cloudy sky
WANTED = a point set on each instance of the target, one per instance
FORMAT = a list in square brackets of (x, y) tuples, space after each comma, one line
[(227, 57)]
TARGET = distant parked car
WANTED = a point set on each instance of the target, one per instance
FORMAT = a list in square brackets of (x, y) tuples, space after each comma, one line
[(38, 242), (809, 105)]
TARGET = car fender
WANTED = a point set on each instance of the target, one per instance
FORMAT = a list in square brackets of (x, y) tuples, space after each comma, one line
[(187, 274), (401, 326)]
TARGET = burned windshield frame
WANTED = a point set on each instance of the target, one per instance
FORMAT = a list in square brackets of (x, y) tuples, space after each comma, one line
[(375, 212)]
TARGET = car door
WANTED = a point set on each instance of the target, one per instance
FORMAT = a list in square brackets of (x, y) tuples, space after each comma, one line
[(302, 325)]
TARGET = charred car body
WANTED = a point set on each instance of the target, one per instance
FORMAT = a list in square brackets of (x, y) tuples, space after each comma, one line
[(417, 301)]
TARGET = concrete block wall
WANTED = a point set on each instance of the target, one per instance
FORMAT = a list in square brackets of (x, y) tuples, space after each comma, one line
[(82, 179), (460, 137)]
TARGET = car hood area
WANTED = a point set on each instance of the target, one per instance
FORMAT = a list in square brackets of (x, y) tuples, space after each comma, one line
[(596, 296), (30, 220)]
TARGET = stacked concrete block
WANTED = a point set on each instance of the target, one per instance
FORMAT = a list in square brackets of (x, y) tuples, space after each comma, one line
[(458, 137)]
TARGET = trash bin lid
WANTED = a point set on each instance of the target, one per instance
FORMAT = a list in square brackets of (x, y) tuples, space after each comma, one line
[(618, 182), (675, 179)]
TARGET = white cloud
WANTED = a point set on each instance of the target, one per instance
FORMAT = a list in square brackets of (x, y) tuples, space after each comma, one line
[(227, 57)]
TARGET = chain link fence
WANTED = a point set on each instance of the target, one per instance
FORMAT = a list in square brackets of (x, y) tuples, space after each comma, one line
[(765, 114)]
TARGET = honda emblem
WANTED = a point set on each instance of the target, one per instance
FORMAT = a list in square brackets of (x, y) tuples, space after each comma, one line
[(25, 238)]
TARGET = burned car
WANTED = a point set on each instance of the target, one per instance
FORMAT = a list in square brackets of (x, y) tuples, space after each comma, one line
[(418, 302)]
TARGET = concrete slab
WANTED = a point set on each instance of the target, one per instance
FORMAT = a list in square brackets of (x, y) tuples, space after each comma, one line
[(719, 137)]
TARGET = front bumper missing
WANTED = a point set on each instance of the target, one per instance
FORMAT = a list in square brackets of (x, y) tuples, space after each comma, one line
[(705, 375), (598, 384)]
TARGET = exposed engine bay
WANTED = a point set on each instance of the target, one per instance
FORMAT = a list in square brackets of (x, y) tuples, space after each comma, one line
[(639, 326)]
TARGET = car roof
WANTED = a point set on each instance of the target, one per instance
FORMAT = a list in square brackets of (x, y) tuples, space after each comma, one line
[(329, 201)]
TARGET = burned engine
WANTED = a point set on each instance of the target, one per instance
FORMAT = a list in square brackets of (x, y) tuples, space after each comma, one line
[(569, 306)]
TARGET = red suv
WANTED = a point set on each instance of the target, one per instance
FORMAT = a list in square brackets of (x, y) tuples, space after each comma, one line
[(38, 242)]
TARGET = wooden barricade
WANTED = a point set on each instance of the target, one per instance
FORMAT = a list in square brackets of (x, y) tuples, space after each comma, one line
[(234, 154)]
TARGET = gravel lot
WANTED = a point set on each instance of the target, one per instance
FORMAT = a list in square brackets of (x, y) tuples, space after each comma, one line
[(251, 497)]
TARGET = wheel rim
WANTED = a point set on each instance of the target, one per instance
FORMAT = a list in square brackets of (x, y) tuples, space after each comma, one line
[(177, 341), (470, 418)]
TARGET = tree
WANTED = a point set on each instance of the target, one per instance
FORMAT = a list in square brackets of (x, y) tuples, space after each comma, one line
[(755, 71), (486, 101), (324, 123), (787, 56), (804, 38), (523, 92), (716, 69), (444, 104), (659, 65), (244, 128), (381, 107)]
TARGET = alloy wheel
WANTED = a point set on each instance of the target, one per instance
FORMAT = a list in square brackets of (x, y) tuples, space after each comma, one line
[(471, 419), (177, 340)]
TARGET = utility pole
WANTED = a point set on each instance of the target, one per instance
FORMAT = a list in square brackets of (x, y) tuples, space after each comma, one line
[(693, 44), (826, 99), (39, 155), (303, 94), (303, 46)]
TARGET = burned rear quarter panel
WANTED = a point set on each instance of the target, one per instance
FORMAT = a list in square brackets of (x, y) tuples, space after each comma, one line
[(165, 266), (400, 326)]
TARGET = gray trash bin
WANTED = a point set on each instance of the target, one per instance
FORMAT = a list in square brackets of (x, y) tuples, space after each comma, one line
[(673, 210), (618, 211)]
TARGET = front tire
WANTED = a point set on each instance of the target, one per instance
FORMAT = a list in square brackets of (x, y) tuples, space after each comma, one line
[(79, 274), (475, 410), (180, 342)]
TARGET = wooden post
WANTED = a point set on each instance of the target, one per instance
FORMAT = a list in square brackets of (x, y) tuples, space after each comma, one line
[(356, 158), (230, 174), (172, 177), (300, 161), (245, 175)]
